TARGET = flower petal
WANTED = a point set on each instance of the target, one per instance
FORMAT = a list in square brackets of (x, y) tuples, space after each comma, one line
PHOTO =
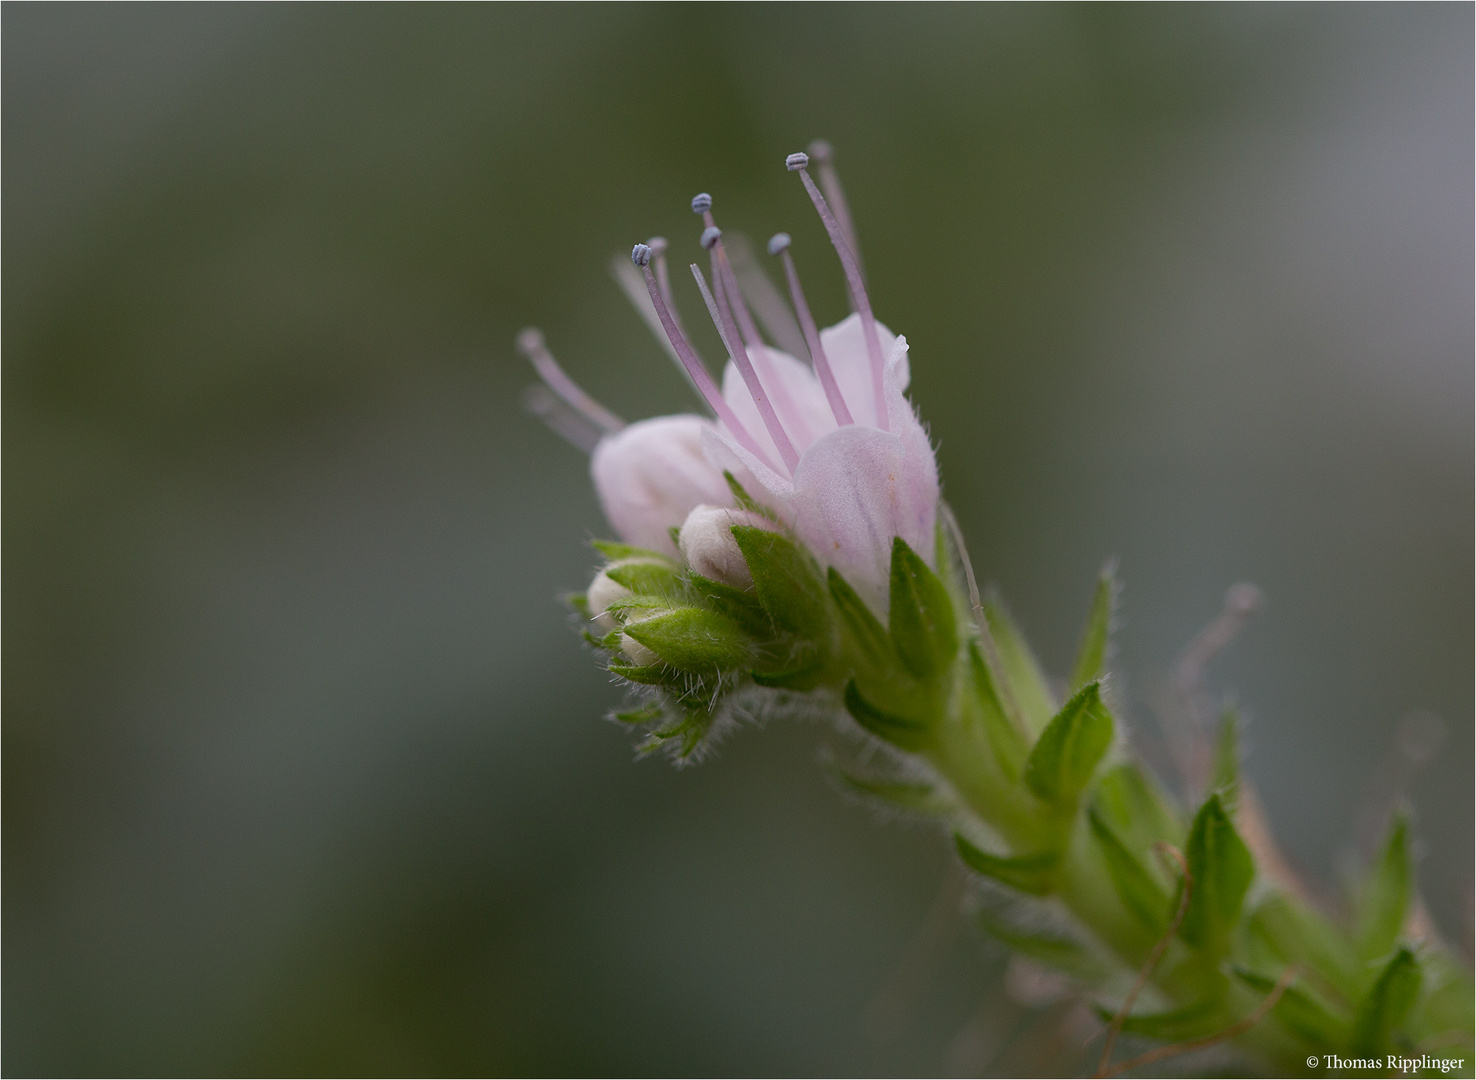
[(845, 348), (649, 476), (858, 487), (798, 399)]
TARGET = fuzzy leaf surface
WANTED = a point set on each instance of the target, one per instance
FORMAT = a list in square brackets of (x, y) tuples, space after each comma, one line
[(897, 730), (1222, 868), (787, 582), (1136, 887), (1004, 738), (1384, 898), (1068, 751), (1383, 1010), (1091, 656), (693, 639), (922, 620), (1033, 874), (1021, 671)]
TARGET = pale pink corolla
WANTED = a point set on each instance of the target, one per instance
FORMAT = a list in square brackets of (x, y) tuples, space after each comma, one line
[(833, 448)]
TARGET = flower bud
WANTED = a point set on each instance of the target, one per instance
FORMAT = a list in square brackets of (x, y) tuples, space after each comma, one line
[(650, 474), (639, 655), (603, 592), (707, 543)]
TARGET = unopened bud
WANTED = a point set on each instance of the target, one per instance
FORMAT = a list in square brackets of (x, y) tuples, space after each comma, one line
[(603, 592), (707, 544), (638, 654)]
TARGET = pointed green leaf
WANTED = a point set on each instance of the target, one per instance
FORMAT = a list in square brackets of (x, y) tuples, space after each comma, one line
[(916, 797), (922, 619), (897, 730), (693, 639), (647, 675), (1299, 1011), (804, 672), (787, 582), (868, 637), (580, 603), (1004, 738), (647, 577), (1067, 752), (647, 714), (1054, 950), (1192, 1021), (1384, 898), (742, 607), (1033, 874), (1136, 887), (1091, 657), (614, 550), (1021, 672), (1225, 770), (1383, 1010), (1221, 868)]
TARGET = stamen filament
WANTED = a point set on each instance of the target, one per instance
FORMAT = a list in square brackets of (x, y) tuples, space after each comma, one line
[(780, 244), (658, 245), (798, 163), (641, 256), (702, 204), (531, 345), (723, 317), (725, 282), (823, 155), (562, 420)]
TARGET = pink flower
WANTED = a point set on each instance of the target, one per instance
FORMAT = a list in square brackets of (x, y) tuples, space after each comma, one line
[(833, 448)]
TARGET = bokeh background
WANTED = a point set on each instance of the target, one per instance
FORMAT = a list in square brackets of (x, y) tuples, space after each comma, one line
[(304, 766)]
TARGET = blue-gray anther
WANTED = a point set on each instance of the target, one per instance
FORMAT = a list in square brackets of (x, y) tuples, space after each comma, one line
[(797, 161), (820, 151), (710, 236), (701, 204), (657, 244), (778, 242), (640, 255)]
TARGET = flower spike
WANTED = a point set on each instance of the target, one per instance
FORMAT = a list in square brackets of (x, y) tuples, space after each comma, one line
[(779, 245), (800, 163)]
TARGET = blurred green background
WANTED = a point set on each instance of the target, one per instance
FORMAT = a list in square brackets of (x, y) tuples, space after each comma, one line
[(304, 767)]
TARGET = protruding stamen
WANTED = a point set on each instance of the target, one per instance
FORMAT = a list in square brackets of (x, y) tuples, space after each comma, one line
[(823, 155), (710, 235), (769, 305), (690, 360), (725, 284), (561, 420), (531, 345), (779, 245), (658, 246), (702, 203), (721, 314), (797, 163)]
